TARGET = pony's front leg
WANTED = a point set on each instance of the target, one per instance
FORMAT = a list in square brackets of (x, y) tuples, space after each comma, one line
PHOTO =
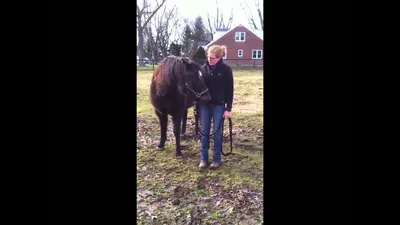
[(177, 131), (197, 120), (184, 120), (163, 119)]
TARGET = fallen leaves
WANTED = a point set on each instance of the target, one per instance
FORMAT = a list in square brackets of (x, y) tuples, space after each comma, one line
[(148, 133), (175, 192)]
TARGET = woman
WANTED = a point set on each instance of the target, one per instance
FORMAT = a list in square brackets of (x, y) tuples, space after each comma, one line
[(219, 80)]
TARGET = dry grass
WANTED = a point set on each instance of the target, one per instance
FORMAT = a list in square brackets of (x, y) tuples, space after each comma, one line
[(172, 191)]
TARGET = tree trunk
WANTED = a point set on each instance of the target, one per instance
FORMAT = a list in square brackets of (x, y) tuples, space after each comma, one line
[(140, 45)]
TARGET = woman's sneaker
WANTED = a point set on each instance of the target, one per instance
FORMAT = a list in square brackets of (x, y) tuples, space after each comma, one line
[(214, 165), (202, 165)]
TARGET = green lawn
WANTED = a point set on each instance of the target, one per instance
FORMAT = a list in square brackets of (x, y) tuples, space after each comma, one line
[(146, 67), (242, 68), (176, 191)]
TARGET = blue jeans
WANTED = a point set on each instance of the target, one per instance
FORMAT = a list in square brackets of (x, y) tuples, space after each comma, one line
[(207, 112)]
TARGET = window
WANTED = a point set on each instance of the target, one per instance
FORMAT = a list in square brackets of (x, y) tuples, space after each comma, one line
[(240, 53), (240, 36), (257, 54)]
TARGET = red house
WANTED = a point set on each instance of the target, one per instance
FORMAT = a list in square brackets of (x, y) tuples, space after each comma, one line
[(244, 45)]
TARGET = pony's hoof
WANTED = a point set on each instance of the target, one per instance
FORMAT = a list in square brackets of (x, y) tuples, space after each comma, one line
[(178, 156), (160, 147)]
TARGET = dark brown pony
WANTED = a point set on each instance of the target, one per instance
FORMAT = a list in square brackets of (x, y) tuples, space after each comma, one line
[(176, 84)]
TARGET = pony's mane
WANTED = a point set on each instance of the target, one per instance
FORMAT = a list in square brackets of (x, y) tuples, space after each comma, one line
[(171, 68)]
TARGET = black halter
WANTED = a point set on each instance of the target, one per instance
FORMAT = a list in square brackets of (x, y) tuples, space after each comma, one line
[(198, 95)]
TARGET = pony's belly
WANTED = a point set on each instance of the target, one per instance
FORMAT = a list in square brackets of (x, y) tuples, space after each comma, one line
[(167, 107), (172, 108)]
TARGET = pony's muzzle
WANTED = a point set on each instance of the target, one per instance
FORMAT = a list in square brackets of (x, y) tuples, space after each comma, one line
[(204, 98)]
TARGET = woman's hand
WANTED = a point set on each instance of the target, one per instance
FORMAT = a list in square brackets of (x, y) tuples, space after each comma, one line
[(227, 114)]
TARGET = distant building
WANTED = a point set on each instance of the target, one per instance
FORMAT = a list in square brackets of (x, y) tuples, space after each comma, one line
[(244, 45)]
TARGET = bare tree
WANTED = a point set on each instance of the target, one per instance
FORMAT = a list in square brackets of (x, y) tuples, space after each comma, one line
[(144, 15), (218, 21), (168, 21), (159, 31), (151, 40), (249, 13), (260, 15)]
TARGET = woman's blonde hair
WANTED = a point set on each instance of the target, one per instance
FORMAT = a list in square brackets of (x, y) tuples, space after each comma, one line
[(218, 50)]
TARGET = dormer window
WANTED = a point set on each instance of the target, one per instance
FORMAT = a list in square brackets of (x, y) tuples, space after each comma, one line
[(240, 36)]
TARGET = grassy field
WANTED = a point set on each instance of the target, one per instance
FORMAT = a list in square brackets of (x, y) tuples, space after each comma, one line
[(176, 191), (146, 68), (150, 68)]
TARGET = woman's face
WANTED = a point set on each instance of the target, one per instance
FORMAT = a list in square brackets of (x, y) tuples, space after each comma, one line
[(212, 59)]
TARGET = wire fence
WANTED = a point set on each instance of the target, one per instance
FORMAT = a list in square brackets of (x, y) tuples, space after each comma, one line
[(239, 63), (245, 63)]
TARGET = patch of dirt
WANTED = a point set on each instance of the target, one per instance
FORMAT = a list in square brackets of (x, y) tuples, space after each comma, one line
[(249, 146), (200, 197), (148, 134), (176, 191), (172, 191), (220, 207)]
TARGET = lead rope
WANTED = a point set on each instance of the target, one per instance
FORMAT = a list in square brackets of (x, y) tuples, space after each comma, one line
[(221, 126)]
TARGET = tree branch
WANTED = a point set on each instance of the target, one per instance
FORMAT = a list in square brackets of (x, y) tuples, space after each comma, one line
[(154, 12)]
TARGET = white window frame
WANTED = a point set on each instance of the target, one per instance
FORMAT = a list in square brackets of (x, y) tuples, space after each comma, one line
[(252, 53), (240, 36), (240, 55)]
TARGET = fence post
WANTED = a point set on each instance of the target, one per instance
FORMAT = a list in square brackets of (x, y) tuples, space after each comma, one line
[(237, 63)]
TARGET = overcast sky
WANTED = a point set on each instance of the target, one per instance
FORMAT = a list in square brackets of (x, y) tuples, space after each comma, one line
[(190, 9)]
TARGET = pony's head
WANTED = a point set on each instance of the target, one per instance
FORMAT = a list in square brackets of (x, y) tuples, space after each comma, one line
[(194, 85), (185, 74)]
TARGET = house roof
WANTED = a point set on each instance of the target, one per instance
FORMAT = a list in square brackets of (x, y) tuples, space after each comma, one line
[(221, 32), (201, 43)]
